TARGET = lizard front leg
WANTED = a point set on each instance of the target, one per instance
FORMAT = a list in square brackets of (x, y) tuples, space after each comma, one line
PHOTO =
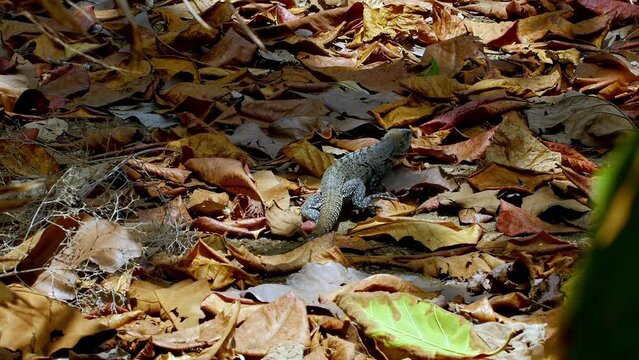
[(311, 208), (355, 189)]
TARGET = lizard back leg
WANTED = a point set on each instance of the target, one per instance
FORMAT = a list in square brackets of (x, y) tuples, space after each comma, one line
[(311, 207)]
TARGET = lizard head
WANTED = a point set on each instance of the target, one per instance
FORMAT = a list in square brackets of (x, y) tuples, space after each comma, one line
[(400, 138)]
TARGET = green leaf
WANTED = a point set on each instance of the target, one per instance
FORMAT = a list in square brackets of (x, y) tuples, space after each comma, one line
[(406, 326), (433, 69)]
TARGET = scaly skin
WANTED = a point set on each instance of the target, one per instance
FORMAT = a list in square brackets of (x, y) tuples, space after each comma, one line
[(350, 176)]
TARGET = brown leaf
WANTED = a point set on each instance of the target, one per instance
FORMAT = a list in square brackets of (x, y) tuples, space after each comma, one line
[(211, 145), (544, 199), (514, 221), (34, 317), (106, 244), (229, 174), (460, 266), (29, 160), (232, 49), (525, 87), (283, 320), (209, 334), (175, 175), (468, 150), (16, 195), (433, 235), (207, 202), (283, 222), (402, 112), (538, 244), (378, 282), (211, 225), (452, 55), (572, 158), (496, 177), (588, 120), (308, 156), (402, 178), (514, 145), (446, 25), (437, 87), (287, 262), (181, 302), (473, 112)]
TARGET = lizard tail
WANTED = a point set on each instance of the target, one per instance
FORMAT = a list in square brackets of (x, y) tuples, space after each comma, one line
[(329, 213)]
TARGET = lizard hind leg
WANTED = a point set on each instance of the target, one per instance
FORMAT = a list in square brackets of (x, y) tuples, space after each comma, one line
[(311, 208)]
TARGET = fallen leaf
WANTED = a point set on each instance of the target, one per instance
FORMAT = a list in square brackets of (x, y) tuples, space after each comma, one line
[(391, 320), (433, 235), (514, 145), (34, 317), (585, 119), (514, 221), (496, 177), (229, 174), (308, 156), (459, 266), (473, 112), (285, 319), (313, 251)]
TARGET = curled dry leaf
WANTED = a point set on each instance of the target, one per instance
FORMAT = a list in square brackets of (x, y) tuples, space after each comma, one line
[(178, 176), (402, 178), (402, 112), (514, 145), (312, 251), (433, 235), (16, 195), (465, 198), (205, 263), (572, 158), (544, 199), (468, 150), (211, 334), (218, 303), (207, 202), (496, 176), (180, 302), (211, 145), (525, 87), (308, 156), (378, 282), (34, 317), (514, 221), (25, 159), (284, 320), (473, 112), (208, 224), (229, 174), (588, 120), (459, 266)]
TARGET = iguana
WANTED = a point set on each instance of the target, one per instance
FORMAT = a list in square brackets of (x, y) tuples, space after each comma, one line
[(350, 176)]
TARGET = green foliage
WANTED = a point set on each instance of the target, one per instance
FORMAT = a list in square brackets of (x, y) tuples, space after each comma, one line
[(404, 324), (601, 315)]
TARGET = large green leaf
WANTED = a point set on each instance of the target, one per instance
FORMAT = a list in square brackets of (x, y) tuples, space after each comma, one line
[(406, 326)]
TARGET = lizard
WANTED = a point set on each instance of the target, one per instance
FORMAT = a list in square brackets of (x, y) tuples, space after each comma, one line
[(350, 176)]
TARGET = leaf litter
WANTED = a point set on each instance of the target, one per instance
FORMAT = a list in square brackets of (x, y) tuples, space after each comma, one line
[(154, 157)]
